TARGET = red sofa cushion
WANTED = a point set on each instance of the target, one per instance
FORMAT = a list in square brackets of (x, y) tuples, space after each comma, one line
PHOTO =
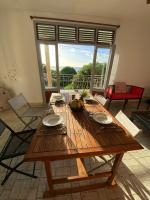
[(124, 96), (137, 90), (133, 92)]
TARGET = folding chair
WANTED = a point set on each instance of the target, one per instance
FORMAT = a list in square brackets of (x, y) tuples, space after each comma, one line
[(131, 128), (24, 110), (101, 99), (128, 124), (16, 145)]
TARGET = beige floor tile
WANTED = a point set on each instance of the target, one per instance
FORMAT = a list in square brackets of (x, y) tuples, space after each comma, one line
[(90, 195), (32, 194), (76, 196), (42, 187), (62, 171), (5, 195), (64, 197)]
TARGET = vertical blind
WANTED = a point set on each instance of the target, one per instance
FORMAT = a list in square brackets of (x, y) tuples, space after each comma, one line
[(75, 34)]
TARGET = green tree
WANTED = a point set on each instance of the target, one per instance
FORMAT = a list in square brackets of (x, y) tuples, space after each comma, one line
[(54, 77), (68, 70), (87, 69), (82, 79), (67, 80), (100, 68), (81, 82), (53, 72), (44, 68)]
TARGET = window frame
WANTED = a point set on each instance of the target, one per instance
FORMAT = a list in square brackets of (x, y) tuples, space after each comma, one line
[(56, 42)]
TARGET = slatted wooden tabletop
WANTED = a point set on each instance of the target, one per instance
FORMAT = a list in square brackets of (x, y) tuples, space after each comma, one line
[(84, 137)]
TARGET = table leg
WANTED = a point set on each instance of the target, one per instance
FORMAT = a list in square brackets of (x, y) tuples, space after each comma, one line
[(148, 106), (115, 168), (49, 178), (125, 103)]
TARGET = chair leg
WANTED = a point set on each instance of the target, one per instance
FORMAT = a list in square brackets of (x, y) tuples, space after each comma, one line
[(10, 172), (139, 103), (34, 167), (125, 103), (30, 122), (131, 117), (108, 162), (109, 104), (26, 125), (105, 160), (14, 169)]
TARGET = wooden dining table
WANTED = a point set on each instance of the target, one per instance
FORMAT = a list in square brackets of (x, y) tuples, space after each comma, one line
[(78, 138)]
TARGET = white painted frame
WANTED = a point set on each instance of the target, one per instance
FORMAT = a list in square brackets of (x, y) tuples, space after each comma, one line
[(56, 42)]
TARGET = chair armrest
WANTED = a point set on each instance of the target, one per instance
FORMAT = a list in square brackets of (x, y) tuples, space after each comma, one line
[(109, 91), (137, 90)]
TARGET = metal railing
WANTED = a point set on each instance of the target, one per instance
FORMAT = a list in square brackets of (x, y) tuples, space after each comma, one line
[(70, 81)]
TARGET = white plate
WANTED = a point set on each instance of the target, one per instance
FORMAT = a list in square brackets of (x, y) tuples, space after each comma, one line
[(102, 118), (58, 98), (52, 120), (88, 98)]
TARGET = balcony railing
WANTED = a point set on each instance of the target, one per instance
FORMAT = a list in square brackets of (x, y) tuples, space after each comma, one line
[(69, 81)]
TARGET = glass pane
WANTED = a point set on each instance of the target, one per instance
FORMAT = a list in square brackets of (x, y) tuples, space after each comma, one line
[(102, 61), (48, 58), (75, 62)]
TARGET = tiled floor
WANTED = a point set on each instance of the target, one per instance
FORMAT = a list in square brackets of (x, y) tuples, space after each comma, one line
[(133, 176)]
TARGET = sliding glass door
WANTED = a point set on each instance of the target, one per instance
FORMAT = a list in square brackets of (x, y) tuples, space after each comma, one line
[(74, 56), (49, 72), (75, 64), (73, 67), (101, 68)]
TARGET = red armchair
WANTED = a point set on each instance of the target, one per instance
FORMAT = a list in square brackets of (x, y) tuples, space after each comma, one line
[(132, 92)]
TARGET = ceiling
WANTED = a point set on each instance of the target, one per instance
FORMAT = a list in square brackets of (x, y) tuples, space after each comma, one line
[(117, 9)]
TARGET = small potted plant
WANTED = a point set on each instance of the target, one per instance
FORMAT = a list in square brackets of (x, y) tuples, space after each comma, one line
[(84, 93)]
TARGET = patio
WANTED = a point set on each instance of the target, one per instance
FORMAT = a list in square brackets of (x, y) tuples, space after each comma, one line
[(133, 184)]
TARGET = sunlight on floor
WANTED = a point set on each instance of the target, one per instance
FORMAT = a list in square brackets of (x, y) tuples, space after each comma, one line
[(133, 176)]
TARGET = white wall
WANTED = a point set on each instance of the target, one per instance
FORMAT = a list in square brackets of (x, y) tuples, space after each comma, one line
[(18, 59), (132, 58)]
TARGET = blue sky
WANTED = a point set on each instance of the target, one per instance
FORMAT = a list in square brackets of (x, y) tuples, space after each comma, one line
[(75, 55)]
